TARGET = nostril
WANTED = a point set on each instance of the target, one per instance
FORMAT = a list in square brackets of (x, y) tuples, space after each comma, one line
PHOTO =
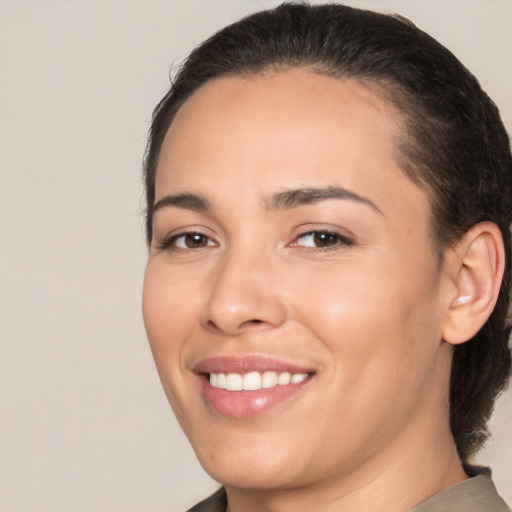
[(255, 323), (211, 324)]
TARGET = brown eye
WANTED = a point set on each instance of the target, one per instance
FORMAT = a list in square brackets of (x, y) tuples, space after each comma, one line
[(322, 240), (325, 239), (191, 241), (194, 240)]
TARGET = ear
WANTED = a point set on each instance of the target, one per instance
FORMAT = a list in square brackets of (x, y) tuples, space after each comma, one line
[(476, 267)]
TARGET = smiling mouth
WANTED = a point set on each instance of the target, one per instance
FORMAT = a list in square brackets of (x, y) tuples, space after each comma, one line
[(243, 387), (254, 381)]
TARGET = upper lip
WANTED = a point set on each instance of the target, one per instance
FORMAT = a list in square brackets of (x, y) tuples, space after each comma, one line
[(247, 364)]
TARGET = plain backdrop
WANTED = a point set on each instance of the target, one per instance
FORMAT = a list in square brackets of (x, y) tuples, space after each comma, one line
[(84, 425)]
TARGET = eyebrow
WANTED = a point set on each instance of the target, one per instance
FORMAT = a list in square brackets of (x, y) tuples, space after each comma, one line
[(186, 201), (304, 196), (281, 201)]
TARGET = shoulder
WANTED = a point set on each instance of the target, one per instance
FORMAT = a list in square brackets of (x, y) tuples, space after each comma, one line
[(476, 494), (217, 502)]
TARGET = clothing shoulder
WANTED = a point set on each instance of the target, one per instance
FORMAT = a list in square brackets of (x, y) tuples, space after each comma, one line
[(217, 502), (476, 494)]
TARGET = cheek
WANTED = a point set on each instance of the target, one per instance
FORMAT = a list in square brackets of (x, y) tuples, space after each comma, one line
[(378, 318), (168, 309), (381, 333)]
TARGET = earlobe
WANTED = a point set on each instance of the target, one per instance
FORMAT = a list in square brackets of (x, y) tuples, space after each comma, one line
[(477, 274)]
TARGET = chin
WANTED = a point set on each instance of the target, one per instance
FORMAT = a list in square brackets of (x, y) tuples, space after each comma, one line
[(254, 477), (255, 467)]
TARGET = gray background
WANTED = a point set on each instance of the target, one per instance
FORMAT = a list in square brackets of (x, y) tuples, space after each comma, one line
[(84, 425)]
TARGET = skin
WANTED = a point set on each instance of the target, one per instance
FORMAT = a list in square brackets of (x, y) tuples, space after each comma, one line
[(367, 312)]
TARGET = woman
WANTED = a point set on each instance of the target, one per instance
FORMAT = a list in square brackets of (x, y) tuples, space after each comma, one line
[(329, 195)]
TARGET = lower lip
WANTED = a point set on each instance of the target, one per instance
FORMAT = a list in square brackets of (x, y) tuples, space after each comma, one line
[(245, 404)]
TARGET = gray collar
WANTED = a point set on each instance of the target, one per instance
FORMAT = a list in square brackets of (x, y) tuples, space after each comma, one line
[(476, 494)]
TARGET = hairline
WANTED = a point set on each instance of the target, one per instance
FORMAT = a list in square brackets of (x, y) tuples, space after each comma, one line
[(385, 89)]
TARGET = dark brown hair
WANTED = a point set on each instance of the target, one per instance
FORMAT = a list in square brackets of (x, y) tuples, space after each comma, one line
[(455, 146)]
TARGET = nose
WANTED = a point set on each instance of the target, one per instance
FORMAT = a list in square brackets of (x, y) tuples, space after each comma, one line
[(244, 295)]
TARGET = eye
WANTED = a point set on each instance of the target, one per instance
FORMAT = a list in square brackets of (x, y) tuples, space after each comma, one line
[(321, 240), (187, 241)]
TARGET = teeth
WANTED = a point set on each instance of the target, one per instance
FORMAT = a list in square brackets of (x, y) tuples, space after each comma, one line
[(284, 378), (269, 380), (253, 381), (221, 380), (298, 377), (234, 382)]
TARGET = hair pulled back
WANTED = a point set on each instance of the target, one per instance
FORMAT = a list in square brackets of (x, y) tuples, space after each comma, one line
[(455, 146)]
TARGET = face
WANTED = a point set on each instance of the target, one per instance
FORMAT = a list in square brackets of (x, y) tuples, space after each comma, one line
[(293, 298)]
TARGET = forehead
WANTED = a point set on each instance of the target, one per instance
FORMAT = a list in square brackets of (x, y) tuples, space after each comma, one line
[(290, 102), (279, 130)]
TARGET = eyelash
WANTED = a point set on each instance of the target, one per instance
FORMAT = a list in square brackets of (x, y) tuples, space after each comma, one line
[(167, 244), (340, 240)]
